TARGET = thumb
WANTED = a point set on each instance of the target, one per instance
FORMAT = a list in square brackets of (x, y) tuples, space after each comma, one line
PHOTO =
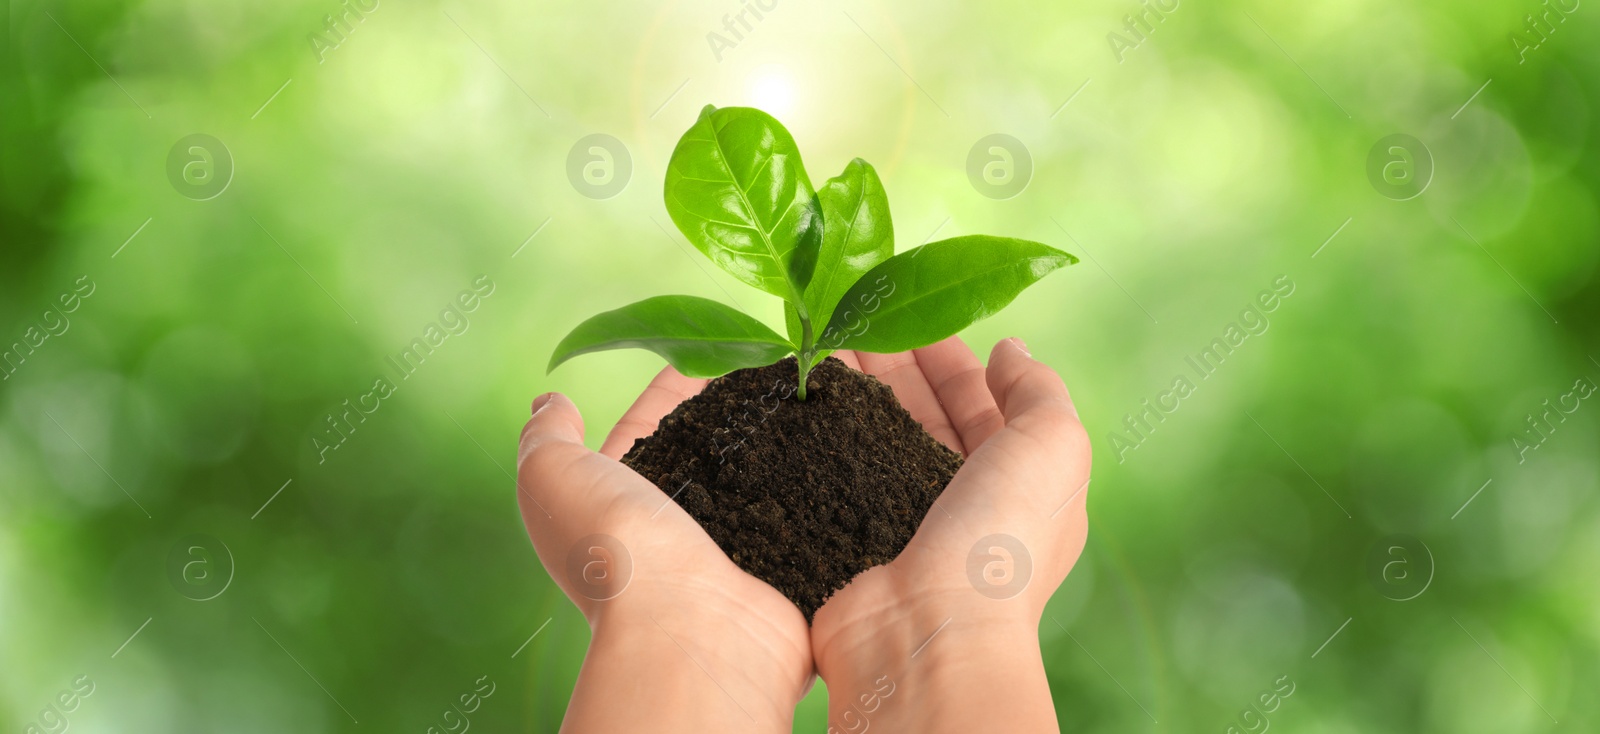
[(1022, 385), (1019, 481), (555, 418), (1045, 445), (551, 454)]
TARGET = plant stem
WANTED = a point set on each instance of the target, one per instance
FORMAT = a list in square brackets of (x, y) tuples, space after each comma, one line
[(808, 352), (804, 360)]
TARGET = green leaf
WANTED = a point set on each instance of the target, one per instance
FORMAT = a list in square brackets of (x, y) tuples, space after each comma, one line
[(737, 190), (700, 337), (856, 235), (791, 322), (928, 293)]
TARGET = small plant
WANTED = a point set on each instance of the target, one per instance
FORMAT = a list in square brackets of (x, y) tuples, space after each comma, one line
[(738, 191)]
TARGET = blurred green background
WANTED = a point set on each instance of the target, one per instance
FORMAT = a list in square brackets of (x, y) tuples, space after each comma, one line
[(381, 170)]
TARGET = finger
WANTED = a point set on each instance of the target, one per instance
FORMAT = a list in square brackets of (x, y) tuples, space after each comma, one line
[(555, 418), (665, 392), (903, 375), (958, 380), (1037, 465), (1028, 393), (552, 461)]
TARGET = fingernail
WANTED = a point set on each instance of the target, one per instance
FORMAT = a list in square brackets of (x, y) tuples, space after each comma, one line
[(541, 401), (1024, 347)]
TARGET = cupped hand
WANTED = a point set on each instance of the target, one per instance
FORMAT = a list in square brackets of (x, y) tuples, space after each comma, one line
[(950, 627), (668, 609)]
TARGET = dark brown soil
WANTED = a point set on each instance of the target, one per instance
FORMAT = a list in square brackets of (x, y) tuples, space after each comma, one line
[(802, 495)]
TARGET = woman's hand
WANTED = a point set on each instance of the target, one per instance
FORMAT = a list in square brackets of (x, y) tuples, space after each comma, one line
[(683, 639), (946, 637)]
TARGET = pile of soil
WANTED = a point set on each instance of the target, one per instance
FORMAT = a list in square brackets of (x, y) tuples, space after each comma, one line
[(802, 495)]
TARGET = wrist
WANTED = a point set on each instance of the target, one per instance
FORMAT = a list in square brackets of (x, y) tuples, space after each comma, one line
[(724, 664), (936, 666)]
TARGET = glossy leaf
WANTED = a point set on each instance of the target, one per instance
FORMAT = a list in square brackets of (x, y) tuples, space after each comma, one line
[(791, 321), (738, 191), (930, 292), (856, 235), (700, 337)]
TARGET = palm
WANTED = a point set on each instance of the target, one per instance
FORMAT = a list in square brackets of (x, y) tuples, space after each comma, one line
[(1024, 480), (676, 563), (654, 558)]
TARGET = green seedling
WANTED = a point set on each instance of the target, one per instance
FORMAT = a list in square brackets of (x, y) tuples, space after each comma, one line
[(737, 190)]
